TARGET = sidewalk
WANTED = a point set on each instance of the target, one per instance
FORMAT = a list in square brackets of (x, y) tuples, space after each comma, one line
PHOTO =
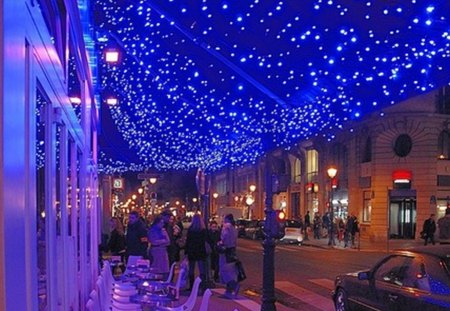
[(241, 303), (364, 245)]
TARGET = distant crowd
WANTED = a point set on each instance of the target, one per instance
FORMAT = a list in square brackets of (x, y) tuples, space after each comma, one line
[(331, 228)]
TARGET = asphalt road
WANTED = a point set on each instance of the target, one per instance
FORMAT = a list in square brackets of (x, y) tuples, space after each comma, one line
[(304, 275)]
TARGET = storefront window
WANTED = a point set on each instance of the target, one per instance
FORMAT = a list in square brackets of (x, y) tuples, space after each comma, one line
[(367, 206)]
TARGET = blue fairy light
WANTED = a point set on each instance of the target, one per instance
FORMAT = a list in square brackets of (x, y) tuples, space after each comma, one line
[(220, 83)]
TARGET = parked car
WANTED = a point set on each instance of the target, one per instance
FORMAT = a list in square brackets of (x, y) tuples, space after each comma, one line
[(255, 230), (240, 225), (414, 279), (292, 232)]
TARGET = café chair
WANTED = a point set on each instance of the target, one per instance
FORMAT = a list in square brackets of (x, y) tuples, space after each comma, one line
[(94, 305), (164, 283), (190, 302), (103, 294), (205, 300), (132, 260), (90, 305), (174, 290)]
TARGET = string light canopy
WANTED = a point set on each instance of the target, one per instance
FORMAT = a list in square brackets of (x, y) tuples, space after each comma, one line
[(218, 83)]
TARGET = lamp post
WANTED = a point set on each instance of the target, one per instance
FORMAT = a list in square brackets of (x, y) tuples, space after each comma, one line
[(141, 199), (268, 292), (214, 202), (154, 199), (332, 172), (250, 200), (194, 201)]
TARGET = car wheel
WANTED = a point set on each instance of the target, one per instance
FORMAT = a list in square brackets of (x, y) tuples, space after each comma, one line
[(340, 301)]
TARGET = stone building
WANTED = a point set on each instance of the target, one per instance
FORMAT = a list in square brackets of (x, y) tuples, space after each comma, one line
[(393, 171)]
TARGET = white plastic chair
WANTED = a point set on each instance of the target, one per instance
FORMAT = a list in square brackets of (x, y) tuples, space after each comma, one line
[(90, 305), (95, 304), (205, 300), (175, 289), (190, 302), (132, 260), (164, 284), (103, 293)]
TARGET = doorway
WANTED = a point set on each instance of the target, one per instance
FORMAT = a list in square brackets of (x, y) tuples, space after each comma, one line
[(402, 215)]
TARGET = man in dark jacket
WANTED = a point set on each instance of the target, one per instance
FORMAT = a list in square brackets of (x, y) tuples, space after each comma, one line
[(429, 228), (137, 241)]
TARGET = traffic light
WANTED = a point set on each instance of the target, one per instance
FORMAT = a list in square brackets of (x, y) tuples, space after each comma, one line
[(278, 219), (281, 215)]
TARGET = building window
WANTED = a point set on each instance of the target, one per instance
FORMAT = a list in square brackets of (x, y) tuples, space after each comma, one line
[(312, 164), (444, 145), (297, 171), (443, 100), (367, 151), (403, 145), (367, 206)]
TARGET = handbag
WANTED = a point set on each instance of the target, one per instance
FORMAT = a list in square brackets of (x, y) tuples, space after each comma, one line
[(230, 255), (240, 271)]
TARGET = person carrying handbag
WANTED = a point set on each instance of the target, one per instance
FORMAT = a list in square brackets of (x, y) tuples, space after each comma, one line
[(227, 259)]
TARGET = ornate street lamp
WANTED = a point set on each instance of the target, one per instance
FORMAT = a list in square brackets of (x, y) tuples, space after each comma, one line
[(332, 172), (214, 202), (250, 200), (153, 195)]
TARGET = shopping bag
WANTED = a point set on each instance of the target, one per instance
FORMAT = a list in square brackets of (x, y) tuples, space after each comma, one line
[(240, 271)]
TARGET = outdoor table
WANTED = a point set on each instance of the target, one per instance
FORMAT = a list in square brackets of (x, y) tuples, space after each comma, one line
[(154, 287), (151, 301)]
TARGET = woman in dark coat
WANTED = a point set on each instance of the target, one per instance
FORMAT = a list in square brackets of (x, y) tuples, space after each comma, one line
[(197, 237), (214, 238), (116, 243)]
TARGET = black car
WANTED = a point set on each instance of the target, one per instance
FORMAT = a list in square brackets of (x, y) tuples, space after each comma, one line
[(240, 225), (255, 230), (414, 279)]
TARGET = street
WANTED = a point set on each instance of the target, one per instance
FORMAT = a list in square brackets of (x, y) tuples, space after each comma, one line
[(304, 275)]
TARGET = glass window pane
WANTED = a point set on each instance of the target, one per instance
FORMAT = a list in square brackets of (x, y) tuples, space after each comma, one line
[(41, 208)]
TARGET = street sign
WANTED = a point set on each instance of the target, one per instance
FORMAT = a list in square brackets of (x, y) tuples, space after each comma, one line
[(118, 183)]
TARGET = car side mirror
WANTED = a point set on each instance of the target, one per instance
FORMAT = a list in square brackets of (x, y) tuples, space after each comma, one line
[(364, 275)]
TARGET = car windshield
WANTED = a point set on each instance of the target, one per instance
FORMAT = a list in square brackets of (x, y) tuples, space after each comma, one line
[(438, 273)]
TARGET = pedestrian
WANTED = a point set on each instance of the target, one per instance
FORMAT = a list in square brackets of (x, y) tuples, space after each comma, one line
[(355, 229), (348, 230), (159, 240), (213, 239), (117, 242), (227, 258), (195, 249), (428, 230), (325, 224), (444, 227), (136, 236), (174, 233), (307, 225), (341, 230), (331, 230), (317, 226)]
